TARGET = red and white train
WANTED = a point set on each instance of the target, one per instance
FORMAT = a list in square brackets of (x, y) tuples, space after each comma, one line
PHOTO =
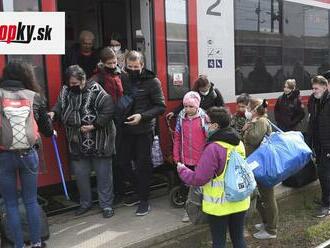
[(242, 45)]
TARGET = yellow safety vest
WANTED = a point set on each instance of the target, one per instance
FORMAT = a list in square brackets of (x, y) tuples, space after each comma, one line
[(214, 201)]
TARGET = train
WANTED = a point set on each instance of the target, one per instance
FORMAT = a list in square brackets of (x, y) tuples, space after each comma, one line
[(247, 46)]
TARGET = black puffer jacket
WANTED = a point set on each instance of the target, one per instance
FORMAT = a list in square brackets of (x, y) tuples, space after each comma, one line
[(149, 100), (289, 111), (318, 128)]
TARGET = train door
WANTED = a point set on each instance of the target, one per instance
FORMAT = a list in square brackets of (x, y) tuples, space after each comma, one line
[(127, 21)]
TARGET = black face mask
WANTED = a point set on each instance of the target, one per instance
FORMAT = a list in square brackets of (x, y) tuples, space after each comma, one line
[(75, 89), (109, 70), (133, 74)]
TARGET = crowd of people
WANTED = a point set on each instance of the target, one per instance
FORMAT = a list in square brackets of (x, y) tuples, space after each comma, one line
[(109, 110)]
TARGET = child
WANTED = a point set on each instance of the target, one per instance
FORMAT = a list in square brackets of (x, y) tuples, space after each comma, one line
[(239, 119), (190, 133), (108, 74), (289, 111)]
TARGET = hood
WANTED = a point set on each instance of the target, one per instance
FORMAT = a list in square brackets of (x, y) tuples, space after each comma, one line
[(228, 135), (12, 84), (146, 74)]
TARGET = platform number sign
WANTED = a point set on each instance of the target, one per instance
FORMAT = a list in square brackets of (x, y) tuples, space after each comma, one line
[(210, 10)]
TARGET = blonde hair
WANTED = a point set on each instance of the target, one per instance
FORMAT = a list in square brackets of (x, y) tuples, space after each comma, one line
[(134, 56), (291, 83), (319, 80)]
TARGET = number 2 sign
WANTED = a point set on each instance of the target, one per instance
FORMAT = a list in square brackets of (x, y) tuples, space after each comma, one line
[(210, 10)]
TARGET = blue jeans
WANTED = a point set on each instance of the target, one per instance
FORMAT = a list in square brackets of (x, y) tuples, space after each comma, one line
[(218, 227), (104, 179), (26, 166)]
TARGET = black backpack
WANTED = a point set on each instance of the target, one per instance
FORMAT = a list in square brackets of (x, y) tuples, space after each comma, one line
[(4, 227)]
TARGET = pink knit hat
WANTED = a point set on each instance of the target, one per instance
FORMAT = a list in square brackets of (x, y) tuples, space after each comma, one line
[(192, 98)]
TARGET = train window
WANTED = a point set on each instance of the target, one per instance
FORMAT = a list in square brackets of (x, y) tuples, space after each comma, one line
[(37, 61), (276, 40), (177, 48)]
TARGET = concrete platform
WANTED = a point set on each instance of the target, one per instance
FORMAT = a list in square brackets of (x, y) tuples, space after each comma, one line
[(161, 226)]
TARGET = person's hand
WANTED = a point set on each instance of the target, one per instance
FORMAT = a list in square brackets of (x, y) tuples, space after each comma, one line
[(55, 133), (51, 115), (180, 166), (170, 115), (133, 119), (86, 128), (246, 126)]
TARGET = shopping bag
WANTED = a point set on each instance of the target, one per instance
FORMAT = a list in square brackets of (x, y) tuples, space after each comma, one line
[(194, 206), (280, 155), (239, 178), (156, 153)]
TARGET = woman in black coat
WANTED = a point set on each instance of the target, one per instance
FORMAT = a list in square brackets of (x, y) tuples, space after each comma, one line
[(289, 111), (210, 96)]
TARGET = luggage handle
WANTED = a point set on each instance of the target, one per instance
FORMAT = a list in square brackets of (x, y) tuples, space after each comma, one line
[(276, 127)]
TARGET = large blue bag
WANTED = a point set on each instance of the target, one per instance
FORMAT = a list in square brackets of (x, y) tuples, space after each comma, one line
[(239, 179), (279, 156)]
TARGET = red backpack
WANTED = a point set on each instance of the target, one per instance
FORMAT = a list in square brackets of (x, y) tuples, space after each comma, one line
[(18, 128)]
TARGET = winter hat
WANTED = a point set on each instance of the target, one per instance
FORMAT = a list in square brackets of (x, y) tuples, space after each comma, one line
[(192, 98)]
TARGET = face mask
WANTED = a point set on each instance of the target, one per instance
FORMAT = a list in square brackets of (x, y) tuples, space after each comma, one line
[(133, 74), (116, 48), (204, 93), (248, 115), (109, 70), (75, 89)]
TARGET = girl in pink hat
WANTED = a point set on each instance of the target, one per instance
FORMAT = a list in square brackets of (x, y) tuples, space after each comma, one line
[(190, 133)]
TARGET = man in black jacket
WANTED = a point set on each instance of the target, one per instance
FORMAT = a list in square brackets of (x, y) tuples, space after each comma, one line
[(319, 137), (138, 127)]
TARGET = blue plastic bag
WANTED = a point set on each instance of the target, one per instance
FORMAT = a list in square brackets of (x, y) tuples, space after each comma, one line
[(279, 156), (239, 179)]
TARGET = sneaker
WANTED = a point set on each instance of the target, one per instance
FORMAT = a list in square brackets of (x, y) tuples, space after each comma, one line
[(260, 226), (263, 234), (39, 245), (131, 201), (185, 218), (81, 211), (322, 212), (143, 208), (108, 213)]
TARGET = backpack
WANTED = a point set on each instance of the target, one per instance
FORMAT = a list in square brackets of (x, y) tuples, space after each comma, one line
[(5, 229), (239, 178), (18, 128)]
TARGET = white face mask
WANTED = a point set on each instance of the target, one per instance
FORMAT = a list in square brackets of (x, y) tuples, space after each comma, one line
[(248, 115), (116, 48), (204, 93)]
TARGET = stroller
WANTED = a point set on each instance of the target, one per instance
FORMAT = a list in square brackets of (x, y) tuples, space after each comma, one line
[(178, 193)]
